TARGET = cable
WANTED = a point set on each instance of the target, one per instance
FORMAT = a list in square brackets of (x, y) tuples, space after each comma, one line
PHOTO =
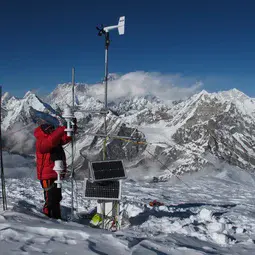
[(146, 143), (107, 221), (142, 142)]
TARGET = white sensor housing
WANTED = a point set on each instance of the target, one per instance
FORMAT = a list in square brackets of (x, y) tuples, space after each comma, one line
[(68, 115), (58, 168)]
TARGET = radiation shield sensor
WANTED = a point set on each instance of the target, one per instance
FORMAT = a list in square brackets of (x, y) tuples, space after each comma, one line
[(68, 115), (58, 168)]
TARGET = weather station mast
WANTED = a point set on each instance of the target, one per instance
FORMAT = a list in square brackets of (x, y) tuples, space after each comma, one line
[(106, 32), (108, 184), (104, 181)]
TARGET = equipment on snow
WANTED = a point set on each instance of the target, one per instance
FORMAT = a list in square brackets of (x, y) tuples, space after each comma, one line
[(96, 220), (156, 203)]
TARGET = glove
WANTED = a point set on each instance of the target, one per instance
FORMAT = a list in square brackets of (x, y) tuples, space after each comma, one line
[(61, 121), (74, 120), (63, 175)]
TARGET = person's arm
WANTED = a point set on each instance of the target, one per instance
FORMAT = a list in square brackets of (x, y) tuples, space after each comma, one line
[(65, 139), (46, 144)]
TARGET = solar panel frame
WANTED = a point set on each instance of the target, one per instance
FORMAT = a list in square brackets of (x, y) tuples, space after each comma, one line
[(103, 198), (92, 172)]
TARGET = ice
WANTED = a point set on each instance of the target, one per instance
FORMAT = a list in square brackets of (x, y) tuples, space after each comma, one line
[(219, 238), (239, 230), (205, 214), (133, 210), (216, 227)]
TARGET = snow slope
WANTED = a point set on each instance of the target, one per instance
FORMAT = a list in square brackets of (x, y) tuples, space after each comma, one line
[(210, 212)]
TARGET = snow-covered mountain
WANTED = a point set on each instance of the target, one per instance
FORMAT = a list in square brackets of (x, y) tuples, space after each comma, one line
[(184, 134)]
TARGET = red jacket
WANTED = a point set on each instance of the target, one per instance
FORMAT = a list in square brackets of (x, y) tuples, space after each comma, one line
[(45, 144)]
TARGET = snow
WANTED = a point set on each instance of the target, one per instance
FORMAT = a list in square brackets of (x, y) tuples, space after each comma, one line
[(153, 110), (205, 214), (210, 212), (245, 104), (213, 215), (18, 109)]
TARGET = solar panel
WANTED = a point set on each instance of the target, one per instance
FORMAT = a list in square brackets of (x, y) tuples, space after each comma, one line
[(107, 170), (107, 190)]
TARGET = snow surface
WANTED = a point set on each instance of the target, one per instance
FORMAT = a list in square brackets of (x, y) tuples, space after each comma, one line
[(211, 212)]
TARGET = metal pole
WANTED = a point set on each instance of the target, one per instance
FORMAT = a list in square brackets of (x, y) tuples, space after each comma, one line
[(107, 43), (72, 145), (104, 151), (73, 83), (1, 157)]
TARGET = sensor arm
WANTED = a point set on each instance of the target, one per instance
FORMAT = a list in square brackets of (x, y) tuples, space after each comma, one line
[(107, 29), (120, 27)]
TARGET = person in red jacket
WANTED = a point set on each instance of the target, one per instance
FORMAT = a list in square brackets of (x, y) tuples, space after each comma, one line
[(49, 142)]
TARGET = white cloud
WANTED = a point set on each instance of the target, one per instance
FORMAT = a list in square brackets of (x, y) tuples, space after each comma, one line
[(16, 166), (20, 139), (166, 87)]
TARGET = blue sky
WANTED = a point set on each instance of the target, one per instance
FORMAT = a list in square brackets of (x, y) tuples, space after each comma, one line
[(212, 41)]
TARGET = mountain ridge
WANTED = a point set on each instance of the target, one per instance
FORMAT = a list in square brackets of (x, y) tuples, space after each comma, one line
[(180, 133)]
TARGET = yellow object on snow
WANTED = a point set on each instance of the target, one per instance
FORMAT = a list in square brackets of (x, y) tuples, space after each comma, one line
[(96, 220)]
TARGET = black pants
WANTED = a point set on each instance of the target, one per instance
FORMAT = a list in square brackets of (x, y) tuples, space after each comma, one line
[(52, 197)]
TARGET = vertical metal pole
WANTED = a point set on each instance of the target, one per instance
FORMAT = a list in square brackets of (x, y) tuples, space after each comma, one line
[(107, 43), (72, 145), (1, 157), (73, 83)]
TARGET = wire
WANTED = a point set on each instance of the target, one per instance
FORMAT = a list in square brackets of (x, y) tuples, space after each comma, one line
[(107, 215), (146, 143)]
